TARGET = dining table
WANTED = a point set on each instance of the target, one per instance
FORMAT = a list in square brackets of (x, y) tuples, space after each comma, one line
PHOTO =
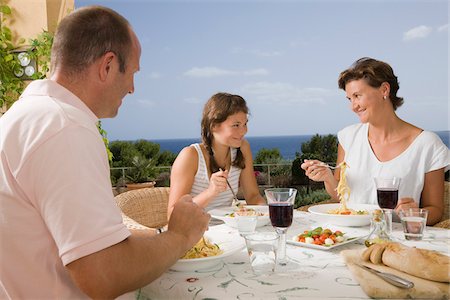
[(310, 273)]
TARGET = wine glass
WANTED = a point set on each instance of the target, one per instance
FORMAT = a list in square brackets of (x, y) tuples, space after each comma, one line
[(387, 197), (281, 210)]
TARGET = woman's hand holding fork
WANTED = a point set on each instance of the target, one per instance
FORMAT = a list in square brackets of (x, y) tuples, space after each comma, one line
[(317, 170)]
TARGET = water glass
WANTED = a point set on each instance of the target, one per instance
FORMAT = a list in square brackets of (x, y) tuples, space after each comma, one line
[(414, 221), (246, 224), (262, 251)]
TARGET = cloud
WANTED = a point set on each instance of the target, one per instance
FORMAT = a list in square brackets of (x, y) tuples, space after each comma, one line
[(285, 93), (256, 72), (416, 33), (146, 102), (298, 43), (257, 52), (155, 75), (266, 53), (209, 72), (443, 28), (192, 100)]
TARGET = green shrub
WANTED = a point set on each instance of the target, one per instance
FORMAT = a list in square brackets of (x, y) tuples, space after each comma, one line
[(305, 198), (298, 174), (323, 148)]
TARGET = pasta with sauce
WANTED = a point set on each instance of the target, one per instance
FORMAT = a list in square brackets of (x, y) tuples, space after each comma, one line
[(343, 191), (203, 248), (245, 211)]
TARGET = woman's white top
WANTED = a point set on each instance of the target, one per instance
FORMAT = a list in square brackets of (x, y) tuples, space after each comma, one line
[(425, 154), (201, 181)]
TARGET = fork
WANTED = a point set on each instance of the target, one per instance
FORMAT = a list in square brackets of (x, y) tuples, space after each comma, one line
[(328, 166), (235, 199)]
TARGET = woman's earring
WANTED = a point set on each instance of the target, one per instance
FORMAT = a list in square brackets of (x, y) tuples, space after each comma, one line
[(384, 97)]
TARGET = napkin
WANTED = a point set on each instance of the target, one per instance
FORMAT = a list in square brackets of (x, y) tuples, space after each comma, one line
[(375, 287)]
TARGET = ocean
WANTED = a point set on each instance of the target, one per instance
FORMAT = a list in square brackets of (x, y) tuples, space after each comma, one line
[(288, 145)]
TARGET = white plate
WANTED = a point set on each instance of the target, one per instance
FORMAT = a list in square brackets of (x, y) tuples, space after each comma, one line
[(222, 214), (320, 213), (349, 239), (225, 242)]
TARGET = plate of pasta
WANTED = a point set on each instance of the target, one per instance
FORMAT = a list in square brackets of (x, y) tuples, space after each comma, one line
[(208, 253), (227, 214), (353, 215), (341, 213)]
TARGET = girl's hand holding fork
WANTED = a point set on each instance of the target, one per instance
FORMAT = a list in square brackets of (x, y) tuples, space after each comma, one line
[(218, 183)]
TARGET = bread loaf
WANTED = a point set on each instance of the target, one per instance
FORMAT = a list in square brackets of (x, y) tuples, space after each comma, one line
[(422, 263)]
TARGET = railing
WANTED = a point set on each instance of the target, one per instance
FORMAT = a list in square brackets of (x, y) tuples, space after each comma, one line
[(268, 167)]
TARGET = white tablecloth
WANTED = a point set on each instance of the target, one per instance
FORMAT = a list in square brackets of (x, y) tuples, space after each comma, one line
[(310, 274)]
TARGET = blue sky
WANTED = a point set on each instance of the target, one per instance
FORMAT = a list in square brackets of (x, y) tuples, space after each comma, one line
[(283, 57)]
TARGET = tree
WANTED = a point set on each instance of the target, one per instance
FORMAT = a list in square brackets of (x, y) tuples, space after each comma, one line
[(141, 156), (123, 153), (166, 158), (323, 148), (148, 149), (268, 156)]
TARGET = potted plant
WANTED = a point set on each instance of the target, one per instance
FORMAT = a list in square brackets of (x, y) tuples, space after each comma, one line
[(141, 173)]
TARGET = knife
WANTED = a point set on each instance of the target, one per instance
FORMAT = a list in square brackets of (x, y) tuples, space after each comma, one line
[(391, 278)]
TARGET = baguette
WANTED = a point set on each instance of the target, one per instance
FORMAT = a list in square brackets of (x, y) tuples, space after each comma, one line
[(377, 253), (427, 264)]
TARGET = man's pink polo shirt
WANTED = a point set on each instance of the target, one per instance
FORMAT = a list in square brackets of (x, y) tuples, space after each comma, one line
[(56, 202)]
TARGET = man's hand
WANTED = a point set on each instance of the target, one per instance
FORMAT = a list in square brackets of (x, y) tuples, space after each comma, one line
[(189, 221)]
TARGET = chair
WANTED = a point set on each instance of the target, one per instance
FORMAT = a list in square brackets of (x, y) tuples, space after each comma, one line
[(132, 224), (445, 223), (146, 207)]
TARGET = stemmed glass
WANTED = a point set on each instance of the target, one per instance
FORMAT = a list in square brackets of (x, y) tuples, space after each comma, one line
[(281, 210), (387, 197)]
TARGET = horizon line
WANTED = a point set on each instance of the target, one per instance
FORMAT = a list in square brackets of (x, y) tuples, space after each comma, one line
[(254, 136)]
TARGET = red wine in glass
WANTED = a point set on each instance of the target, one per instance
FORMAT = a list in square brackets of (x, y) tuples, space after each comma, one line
[(281, 214), (387, 198)]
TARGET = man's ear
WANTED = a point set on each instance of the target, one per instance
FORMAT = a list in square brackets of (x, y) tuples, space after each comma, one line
[(106, 65)]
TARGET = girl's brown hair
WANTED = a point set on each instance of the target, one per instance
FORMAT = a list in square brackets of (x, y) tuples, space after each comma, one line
[(374, 72), (218, 108)]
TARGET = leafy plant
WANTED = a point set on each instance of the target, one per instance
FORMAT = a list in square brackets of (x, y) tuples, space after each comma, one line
[(304, 197), (105, 141), (10, 86), (39, 50), (142, 170)]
